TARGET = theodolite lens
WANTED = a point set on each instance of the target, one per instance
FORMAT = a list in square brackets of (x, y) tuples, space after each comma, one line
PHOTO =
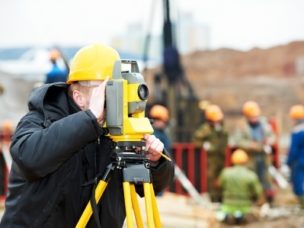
[(143, 92)]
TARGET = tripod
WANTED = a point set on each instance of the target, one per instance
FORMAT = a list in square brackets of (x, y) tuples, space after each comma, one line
[(135, 170)]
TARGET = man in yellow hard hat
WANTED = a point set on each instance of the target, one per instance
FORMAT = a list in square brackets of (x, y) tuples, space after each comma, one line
[(255, 135), (59, 148), (295, 159), (213, 137), (240, 186)]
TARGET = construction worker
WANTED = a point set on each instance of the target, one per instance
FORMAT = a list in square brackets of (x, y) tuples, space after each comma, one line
[(59, 148), (213, 138), (5, 158), (56, 74), (160, 116), (295, 158), (255, 135), (240, 187)]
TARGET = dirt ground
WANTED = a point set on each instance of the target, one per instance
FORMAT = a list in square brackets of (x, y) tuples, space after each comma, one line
[(181, 211), (178, 211)]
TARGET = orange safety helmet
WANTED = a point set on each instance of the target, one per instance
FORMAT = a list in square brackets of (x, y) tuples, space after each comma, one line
[(214, 113), (159, 112), (239, 157), (296, 112), (7, 126), (54, 54), (251, 109)]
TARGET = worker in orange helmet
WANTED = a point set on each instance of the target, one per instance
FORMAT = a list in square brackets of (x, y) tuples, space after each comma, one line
[(160, 120), (255, 135), (295, 159), (240, 187), (213, 138), (57, 73), (7, 130), (159, 115)]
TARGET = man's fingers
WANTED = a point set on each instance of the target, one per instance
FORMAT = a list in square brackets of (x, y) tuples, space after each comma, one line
[(149, 140), (98, 99), (160, 148), (155, 144)]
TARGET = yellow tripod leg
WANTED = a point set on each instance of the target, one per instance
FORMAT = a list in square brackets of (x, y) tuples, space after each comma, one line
[(84, 219), (136, 208), (128, 204), (148, 199), (155, 208)]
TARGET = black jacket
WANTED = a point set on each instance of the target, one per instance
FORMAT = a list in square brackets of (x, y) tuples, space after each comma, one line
[(56, 149)]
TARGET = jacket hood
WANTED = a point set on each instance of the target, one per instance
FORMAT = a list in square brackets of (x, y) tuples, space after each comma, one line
[(51, 100)]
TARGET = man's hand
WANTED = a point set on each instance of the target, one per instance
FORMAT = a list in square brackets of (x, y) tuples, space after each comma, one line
[(97, 101), (154, 147)]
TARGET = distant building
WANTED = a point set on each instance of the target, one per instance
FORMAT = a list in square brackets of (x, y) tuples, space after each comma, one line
[(133, 41), (192, 35)]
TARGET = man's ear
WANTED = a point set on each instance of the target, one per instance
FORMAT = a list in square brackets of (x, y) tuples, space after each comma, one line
[(79, 99)]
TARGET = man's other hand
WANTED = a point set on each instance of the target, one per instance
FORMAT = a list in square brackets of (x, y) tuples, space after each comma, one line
[(154, 147)]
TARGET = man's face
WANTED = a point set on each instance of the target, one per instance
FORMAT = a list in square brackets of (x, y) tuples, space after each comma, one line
[(159, 124), (82, 92)]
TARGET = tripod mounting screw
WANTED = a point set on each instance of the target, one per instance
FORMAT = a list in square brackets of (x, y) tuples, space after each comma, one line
[(147, 165)]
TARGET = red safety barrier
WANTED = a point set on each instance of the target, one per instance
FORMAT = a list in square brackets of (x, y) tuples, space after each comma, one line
[(193, 161), (228, 153)]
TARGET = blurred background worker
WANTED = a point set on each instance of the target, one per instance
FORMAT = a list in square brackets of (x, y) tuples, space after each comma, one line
[(160, 116), (57, 73), (240, 188), (295, 158), (5, 157), (213, 137), (160, 119), (255, 135)]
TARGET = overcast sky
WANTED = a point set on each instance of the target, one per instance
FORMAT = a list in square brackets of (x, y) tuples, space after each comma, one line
[(240, 24)]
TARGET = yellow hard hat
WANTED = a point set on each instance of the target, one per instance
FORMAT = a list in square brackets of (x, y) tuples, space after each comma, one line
[(54, 54), (214, 113), (296, 112), (251, 109), (159, 112), (93, 62), (239, 157)]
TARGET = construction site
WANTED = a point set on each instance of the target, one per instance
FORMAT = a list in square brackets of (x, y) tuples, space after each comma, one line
[(194, 90)]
